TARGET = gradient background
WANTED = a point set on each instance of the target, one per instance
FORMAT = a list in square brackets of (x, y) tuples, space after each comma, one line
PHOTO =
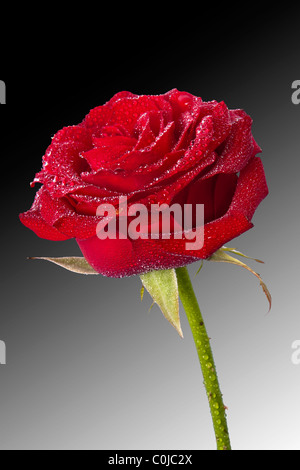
[(87, 366)]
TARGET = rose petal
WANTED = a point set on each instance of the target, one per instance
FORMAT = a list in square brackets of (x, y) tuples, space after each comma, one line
[(33, 220), (119, 258), (238, 148), (122, 181), (108, 150), (100, 116), (202, 192), (165, 191), (76, 225), (251, 189), (53, 209), (224, 190), (62, 155), (114, 141), (126, 111), (216, 234), (145, 134)]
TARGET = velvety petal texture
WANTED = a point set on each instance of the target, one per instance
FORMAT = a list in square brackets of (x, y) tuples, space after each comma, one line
[(166, 149)]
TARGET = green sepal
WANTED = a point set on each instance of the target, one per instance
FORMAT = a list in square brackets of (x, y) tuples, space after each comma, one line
[(76, 264), (222, 256), (163, 288)]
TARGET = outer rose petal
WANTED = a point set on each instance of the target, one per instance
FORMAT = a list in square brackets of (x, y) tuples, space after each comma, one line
[(120, 258), (33, 220), (54, 219), (251, 189), (238, 148)]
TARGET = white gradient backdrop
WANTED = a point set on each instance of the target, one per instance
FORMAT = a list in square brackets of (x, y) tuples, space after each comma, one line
[(87, 366)]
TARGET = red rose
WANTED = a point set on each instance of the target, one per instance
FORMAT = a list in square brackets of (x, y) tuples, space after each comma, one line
[(152, 149)]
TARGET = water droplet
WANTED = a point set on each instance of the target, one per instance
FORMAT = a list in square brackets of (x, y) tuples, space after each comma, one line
[(205, 357)]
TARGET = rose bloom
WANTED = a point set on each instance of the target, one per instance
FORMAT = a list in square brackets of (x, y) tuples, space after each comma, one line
[(170, 148)]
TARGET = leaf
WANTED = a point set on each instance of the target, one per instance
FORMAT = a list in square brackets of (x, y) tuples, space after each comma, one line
[(221, 256), (142, 293), (163, 288), (76, 264)]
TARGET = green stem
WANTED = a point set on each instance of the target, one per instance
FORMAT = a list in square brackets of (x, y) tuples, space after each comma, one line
[(217, 408)]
